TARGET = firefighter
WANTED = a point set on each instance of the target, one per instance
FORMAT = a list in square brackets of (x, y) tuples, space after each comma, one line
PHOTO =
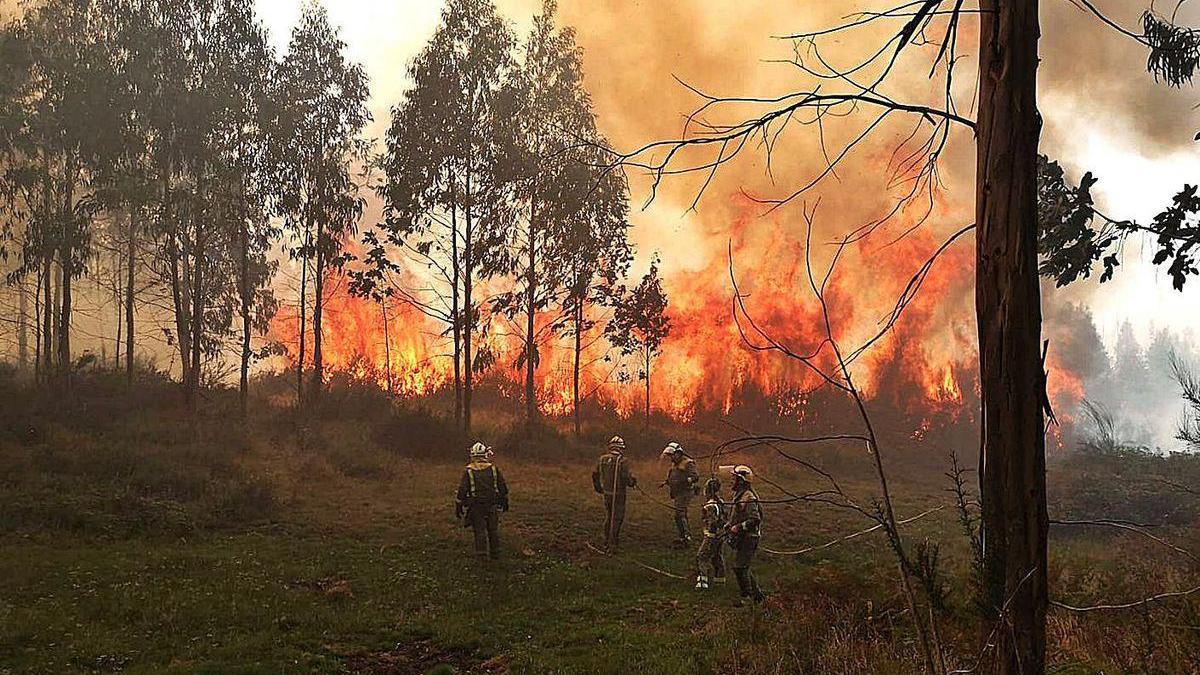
[(682, 483), (714, 516), (482, 495), (745, 528), (612, 478)]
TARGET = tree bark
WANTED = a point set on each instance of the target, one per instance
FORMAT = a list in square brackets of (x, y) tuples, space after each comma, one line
[(578, 353), (531, 409), (118, 290), (39, 325), (174, 253), (456, 311), (47, 342), (23, 325), (647, 388), (197, 320), (1008, 312), (318, 379), (67, 265), (247, 307), (303, 317), (468, 310), (130, 265)]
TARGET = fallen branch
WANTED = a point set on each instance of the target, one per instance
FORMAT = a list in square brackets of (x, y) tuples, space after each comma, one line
[(1127, 605), (848, 537), (1122, 525)]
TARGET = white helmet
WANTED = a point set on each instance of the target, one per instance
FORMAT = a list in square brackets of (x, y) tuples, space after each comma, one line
[(480, 451), (616, 443), (745, 472), (672, 448)]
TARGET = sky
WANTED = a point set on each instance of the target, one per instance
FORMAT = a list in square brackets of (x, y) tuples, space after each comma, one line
[(1102, 112)]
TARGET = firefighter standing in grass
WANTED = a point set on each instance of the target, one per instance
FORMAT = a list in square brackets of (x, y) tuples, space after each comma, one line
[(682, 483), (612, 479), (745, 528), (714, 516), (482, 494)]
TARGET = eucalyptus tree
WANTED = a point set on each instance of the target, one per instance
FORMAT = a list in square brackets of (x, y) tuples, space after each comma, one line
[(640, 324), (59, 135), (449, 188), (558, 184), (595, 254), (319, 122), (242, 133)]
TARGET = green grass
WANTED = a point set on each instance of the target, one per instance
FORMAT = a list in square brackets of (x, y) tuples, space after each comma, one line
[(141, 544)]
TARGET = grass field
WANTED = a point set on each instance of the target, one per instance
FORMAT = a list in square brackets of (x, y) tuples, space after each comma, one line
[(137, 541)]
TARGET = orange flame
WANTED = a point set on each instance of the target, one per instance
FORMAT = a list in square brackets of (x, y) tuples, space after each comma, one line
[(712, 361)]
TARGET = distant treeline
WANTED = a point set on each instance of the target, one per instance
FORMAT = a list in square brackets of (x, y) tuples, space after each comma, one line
[(163, 149)]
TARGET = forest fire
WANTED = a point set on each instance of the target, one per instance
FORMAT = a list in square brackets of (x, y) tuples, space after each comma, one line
[(711, 363)]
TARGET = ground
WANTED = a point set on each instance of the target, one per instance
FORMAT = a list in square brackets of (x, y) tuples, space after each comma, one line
[(137, 540)]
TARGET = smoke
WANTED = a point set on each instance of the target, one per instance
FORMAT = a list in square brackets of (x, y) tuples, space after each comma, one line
[(1093, 77)]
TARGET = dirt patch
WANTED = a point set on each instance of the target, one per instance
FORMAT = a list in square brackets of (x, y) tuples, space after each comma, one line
[(424, 657)]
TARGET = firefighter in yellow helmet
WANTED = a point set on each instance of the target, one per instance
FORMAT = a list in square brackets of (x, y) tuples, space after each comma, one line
[(682, 483), (612, 478), (482, 494), (745, 528)]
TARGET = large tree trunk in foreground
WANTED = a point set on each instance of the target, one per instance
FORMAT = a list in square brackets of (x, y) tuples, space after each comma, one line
[(1008, 311)]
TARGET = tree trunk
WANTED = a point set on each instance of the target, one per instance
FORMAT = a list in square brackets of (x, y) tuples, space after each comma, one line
[(67, 265), (318, 376), (197, 320), (130, 266), (647, 388), (468, 309), (118, 290), (531, 409), (456, 312), (387, 348), (47, 348), (39, 326), (303, 318), (56, 313), (1008, 312), (23, 325), (174, 253), (578, 353), (247, 307)]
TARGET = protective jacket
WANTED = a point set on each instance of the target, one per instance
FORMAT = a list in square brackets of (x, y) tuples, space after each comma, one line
[(747, 513), (682, 478), (714, 516), (612, 475), (482, 485)]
